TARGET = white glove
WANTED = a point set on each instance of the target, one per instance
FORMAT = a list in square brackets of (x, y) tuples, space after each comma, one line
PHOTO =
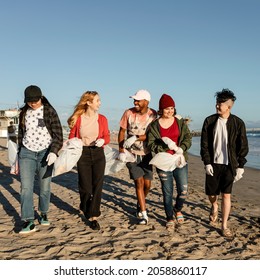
[(51, 158), (171, 144), (209, 169), (240, 172), (99, 142), (122, 157), (179, 151), (129, 142)]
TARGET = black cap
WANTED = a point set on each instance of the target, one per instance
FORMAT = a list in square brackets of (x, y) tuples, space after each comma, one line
[(32, 94)]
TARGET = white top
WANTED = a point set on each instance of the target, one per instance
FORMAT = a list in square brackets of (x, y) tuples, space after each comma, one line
[(37, 137), (220, 142)]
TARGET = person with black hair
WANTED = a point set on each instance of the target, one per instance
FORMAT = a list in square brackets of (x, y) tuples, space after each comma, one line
[(40, 138), (132, 137), (224, 147)]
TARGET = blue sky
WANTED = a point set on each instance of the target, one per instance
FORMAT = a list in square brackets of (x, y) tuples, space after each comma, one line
[(189, 49)]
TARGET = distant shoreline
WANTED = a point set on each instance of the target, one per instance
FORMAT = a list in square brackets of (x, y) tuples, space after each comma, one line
[(197, 133), (253, 158)]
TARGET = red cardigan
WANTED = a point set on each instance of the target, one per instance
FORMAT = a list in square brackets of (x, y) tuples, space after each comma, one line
[(102, 133)]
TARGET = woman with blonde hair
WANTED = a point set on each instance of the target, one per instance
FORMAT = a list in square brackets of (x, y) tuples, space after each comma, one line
[(92, 128)]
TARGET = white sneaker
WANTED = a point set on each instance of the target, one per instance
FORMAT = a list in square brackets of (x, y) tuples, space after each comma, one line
[(143, 220), (139, 214)]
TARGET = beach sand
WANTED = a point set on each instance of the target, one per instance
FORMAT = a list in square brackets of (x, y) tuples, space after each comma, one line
[(69, 236)]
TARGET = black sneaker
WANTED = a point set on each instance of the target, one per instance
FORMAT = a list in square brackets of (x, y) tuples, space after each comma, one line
[(95, 225), (44, 220), (28, 227)]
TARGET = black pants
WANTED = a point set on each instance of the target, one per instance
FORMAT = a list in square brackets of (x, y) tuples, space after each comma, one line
[(91, 168)]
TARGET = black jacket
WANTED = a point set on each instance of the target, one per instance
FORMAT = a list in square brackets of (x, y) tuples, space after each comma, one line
[(237, 141)]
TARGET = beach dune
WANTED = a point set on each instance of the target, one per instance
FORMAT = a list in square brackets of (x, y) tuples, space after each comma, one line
[(69, 236)]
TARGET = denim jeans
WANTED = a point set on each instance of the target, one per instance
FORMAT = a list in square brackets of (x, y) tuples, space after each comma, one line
[(180, 175), (31, 164)]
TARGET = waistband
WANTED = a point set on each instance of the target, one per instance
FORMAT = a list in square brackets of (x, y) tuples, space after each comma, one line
[(90, 147)]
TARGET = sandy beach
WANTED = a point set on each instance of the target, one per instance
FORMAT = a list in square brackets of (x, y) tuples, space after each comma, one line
[(69, 236)]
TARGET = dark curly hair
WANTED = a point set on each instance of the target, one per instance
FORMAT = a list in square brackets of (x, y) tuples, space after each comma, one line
[(224, 95)]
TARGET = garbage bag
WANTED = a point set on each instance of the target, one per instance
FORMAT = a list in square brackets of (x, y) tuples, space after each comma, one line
[(113, 165), (13, 157), (68, 156), (168, 162)]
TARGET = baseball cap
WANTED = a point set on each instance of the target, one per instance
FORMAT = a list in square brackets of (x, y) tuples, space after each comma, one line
[(142, 94), (32, 94)]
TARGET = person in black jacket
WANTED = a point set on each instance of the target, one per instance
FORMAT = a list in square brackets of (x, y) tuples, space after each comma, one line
[(224, 147)]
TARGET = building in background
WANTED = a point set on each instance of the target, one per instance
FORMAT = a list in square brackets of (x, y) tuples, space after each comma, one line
[(6, 116)]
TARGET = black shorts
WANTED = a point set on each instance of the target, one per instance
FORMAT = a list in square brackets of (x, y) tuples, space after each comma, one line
[(221, 181), (141, 168)]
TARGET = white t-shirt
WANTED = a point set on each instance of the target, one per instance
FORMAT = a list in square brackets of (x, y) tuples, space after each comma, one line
[(220, 142), (37, 137)]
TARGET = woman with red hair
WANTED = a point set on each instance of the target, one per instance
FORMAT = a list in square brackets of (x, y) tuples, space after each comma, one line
[(92, 128)]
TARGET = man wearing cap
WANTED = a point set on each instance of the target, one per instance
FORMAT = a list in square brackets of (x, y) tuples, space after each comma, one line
[(134, 124), (39, 140)]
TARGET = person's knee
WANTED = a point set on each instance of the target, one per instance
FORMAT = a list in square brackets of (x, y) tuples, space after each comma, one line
[(184, 192), (212, 198), (139, 183), (163, 176), (147, 183), (226, 196)]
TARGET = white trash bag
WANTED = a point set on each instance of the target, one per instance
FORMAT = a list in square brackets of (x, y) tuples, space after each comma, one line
[(113, 165), (68, 157), (12, 157), (168, 162)]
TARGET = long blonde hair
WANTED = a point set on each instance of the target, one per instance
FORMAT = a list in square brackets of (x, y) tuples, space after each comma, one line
[(81, 107)]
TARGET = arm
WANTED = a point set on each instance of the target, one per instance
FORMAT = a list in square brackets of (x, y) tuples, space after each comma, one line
[(121, 139), (104, 132), (141, 137), (154, 141), (74, 131), (21, 129), (243, 146), (186, 138), (57, 134), (204, 145)]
